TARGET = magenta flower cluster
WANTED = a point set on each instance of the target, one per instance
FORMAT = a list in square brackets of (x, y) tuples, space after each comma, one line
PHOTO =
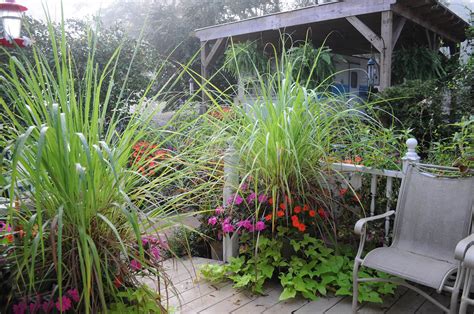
[(63, 304)]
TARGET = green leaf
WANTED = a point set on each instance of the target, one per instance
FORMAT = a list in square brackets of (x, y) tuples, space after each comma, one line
[(288, 293)]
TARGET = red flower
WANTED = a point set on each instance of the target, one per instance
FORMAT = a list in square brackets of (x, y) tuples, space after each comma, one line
[(312, 213), (288, 199), (301, 227), (283, 206), (280, 213), (297, 209), (357, 159), (295, 221), (294, 217), (306, 207), (268, 217), (322, 213), (270, 201), (118, 282), (342, 192), (9, 238)]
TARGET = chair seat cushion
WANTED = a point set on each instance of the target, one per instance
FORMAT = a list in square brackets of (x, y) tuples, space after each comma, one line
[(411, 266)]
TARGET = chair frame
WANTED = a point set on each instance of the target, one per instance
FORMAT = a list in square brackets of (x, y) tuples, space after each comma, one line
[(360, 228)]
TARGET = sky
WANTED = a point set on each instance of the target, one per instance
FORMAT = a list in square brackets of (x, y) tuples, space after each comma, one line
[(81, 8)]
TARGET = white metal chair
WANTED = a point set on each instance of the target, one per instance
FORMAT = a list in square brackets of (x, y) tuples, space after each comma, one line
[(433, 216)]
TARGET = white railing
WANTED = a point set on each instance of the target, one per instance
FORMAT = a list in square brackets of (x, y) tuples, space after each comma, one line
[(355, 173)]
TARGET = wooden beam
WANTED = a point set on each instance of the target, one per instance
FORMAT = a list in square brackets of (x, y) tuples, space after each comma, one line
[(412, 16), (373, 38), (214, 52), (397, 30), (308, 15), (204, 76), (386, 56)]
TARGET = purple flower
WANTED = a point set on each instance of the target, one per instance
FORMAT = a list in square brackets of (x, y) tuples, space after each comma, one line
[(144, 241), (212, 221), (74, 294), (262, 198), (219, 210), (135, 265), (247, 224), (244, 186), (260, 225), (236, 199), (251, 197), (20, 308), (64, 304), (227, 227), (155, 251), (5, 227)]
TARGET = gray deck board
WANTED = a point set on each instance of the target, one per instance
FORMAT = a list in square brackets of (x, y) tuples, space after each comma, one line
[(199, 296)]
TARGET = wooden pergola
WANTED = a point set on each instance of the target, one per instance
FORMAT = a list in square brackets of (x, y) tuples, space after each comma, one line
[(356, 27)]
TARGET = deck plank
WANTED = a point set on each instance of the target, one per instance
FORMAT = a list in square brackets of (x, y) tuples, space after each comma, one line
[(287, 306), (430, 308), (229, 304), (206, 300), (408, 303), (262, 303), (319, 306)]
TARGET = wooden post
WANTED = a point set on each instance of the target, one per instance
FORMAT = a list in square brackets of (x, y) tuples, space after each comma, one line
[(411, 155), (386, 55), (204, 76), (230, 245)]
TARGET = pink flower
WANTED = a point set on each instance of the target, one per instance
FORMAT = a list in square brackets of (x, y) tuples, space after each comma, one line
[(155, 251), (227, 227), (219, 210), (251, 197), (34, 307), (247, 224), (20, 308), (66, 304), (236, 199), (212, 221), (244, 186), (135, 265), (260, 225), (262, 198), (74, 294), (144, 241), (5, 227), (47, 306)]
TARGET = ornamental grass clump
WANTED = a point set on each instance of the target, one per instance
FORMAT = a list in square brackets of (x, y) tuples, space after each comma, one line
[(73, 231)]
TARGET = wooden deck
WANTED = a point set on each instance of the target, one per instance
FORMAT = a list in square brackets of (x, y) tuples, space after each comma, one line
[(199, 296)]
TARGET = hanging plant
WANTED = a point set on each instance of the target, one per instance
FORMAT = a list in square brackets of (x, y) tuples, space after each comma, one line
[(244, 59)]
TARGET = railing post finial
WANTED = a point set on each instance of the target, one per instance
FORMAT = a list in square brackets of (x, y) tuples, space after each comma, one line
[(411, 155)]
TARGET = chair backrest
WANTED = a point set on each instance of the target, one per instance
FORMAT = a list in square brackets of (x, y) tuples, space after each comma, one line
[(434, 213)]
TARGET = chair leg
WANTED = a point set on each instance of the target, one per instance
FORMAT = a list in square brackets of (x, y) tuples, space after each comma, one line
[(355, 286), (455, 293), (465, 292)]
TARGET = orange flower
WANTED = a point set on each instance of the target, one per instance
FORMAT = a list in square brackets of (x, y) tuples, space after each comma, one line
[(9, 237), (297, 209), (280, 213), (283, 206), (306, 207), (357, 159), (301, 227), (270, 201), (312, 213), (268, 217)]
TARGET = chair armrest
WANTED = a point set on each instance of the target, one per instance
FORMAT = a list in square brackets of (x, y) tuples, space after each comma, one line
[(469, 258), (359, 226), (463, 246)]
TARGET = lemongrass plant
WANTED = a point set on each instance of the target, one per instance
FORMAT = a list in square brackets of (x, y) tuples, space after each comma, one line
[(287, 134), (79, 201)]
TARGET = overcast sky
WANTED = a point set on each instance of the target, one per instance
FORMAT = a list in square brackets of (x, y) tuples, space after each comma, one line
[(80, 8)]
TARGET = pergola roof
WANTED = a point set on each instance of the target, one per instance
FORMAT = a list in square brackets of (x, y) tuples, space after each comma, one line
[(323, 19)]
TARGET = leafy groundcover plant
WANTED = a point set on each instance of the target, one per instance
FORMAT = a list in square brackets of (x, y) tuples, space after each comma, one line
[(80, 178)]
